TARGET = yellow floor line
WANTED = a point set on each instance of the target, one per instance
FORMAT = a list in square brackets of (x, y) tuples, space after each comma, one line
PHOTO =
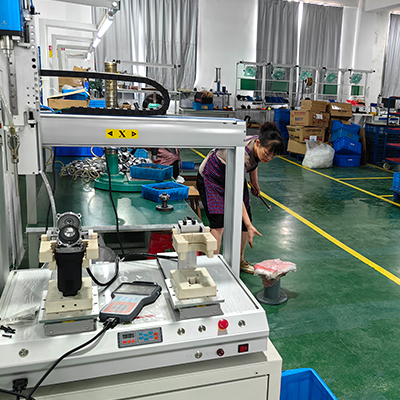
[(326, 235), (372, 177), (198, 153), (386, 195), (343, 183), (383, 169), (338, 243)]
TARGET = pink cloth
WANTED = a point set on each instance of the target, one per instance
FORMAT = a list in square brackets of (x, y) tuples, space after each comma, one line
[(165, 157), (273, 269)]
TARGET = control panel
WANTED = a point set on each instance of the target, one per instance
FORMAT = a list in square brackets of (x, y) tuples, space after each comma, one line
[(139, 337)]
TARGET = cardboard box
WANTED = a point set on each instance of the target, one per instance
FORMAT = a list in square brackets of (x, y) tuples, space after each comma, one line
[(301, 133), (57, 104), (309, 118), (74, 82), (340, 109), (314, 105), (296, 147)]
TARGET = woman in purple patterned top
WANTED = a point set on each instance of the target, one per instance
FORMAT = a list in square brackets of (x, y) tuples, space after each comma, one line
[(211, 184)]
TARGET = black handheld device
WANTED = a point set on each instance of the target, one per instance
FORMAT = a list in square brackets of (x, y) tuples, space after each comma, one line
[(128, 299)]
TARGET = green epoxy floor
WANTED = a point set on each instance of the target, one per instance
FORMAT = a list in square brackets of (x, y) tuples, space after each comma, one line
[(342, 317)]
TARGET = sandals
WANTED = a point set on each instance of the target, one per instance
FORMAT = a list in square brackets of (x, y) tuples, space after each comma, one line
[(245, 266)]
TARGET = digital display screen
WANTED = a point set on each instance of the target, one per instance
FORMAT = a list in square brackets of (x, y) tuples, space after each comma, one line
[(136, 288), (128, 336)]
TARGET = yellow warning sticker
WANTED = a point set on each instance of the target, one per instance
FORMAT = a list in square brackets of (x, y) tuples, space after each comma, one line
[(122, 134)]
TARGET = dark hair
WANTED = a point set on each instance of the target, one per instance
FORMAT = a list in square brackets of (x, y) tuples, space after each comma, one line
[(270, 136)]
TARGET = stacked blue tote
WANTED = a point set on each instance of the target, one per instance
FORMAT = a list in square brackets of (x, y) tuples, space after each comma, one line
[(346, 143), (396, 186), (282, 120)]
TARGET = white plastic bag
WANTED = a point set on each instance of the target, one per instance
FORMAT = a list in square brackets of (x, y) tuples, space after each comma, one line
[(318, 155)]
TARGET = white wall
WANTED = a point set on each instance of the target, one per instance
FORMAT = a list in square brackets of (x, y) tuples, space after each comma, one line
[(364, 39), (226, 35), (66, 12)]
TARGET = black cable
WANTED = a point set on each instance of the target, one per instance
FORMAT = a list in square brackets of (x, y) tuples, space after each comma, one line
[(54, 186), (131, 256), (17, 395), (108, 324), (113, 204), (111, 281)]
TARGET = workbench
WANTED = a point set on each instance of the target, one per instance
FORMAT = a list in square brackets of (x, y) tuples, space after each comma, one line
[(135, 214), (194, 358)]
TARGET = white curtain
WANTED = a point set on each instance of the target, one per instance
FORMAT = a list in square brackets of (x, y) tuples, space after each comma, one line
[(320, 35), (277, 31), (391, 82), (156, 31)]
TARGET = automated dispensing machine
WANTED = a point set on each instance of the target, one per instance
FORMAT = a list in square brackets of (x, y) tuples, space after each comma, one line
[(176, 327)]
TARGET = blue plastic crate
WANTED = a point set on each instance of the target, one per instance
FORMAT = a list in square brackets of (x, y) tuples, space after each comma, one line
[(282, 126), (79, 151), (77, 96), (282, 115), (199, 106), (396, 182), (141, 153), (155, 172), (97, 103), (346, 160), (304, 384), (346, 145), (375, 140), (175, 190), (339, 130), (188, 165)]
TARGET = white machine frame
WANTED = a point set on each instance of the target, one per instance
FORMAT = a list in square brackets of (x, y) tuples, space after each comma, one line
[(165, 131), (189, 361)]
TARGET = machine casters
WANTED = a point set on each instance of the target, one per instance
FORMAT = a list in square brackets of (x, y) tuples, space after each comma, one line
[(164, 197)]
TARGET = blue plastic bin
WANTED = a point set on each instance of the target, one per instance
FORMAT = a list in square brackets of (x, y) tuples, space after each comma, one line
[(304, 384), (188, 165), (346, 160), (375, 137), (396, 182), (282, 115), (282, 126), (199, 106), (78, 96), (97, 103), (339, 130), (175, 190), (153, 172), (79, 151), (140, 153), (345, 145)]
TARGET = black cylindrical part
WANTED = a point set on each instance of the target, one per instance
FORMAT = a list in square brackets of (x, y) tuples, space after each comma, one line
[(69, 272)]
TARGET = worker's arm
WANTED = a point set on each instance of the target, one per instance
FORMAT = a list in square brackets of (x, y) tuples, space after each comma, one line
[(251, 230), (255, 188)]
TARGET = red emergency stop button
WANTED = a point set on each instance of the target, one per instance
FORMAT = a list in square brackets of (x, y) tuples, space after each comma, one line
[(223, 324)]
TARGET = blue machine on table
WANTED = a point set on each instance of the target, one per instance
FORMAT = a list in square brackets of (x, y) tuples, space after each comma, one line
[(11, 17)]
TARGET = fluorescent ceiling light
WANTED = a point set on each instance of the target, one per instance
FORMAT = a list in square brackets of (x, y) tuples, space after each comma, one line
[(96, 42), (105, 24)]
